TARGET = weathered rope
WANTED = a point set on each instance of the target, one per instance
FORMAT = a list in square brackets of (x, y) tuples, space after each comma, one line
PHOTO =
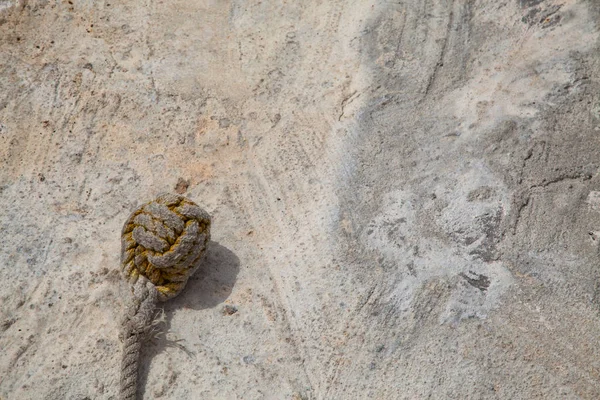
[(135, 329), (161, 245)]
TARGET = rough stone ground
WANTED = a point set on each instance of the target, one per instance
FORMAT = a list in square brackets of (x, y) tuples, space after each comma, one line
[(406, 195)]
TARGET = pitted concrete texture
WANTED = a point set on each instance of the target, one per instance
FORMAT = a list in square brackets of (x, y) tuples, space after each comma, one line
[(405, 196)]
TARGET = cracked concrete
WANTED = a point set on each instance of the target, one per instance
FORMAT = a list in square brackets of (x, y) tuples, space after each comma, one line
[(405, 196)]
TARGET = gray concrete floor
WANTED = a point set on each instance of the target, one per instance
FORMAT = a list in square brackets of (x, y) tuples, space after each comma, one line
[(405, 196)]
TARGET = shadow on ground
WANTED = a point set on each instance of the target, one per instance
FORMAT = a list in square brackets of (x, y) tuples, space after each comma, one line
[(211, 284)]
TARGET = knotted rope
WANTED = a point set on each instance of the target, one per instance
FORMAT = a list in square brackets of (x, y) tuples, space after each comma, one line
[(161, 245)]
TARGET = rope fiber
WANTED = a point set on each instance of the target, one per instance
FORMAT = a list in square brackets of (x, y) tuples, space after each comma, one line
[(162, 243)]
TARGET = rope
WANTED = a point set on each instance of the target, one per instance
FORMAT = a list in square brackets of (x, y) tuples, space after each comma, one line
[(161, 244), (135, 328)]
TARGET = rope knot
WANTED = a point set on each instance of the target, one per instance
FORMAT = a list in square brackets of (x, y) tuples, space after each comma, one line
[(162, 241)]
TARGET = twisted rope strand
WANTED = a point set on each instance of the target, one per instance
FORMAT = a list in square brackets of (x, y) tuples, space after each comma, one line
[(161, 244), (135, 329)]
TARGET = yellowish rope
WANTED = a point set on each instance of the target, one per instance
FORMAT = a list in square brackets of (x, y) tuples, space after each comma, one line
[(161, 244)]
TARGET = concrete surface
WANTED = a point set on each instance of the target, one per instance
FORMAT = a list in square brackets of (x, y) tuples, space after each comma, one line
[(406, 195)]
